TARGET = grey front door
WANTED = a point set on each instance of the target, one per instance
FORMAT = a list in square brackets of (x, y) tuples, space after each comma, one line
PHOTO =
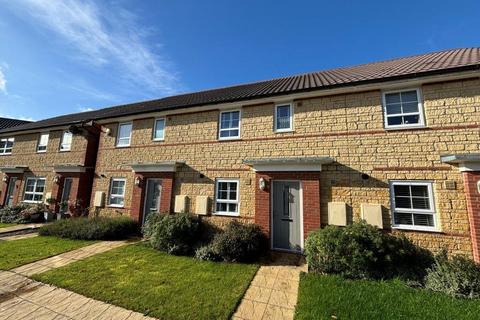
[(152, 198), (286, 219), (10, 191)]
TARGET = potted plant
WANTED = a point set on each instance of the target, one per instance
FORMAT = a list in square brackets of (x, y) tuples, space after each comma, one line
[(63, 210), (48, 214)]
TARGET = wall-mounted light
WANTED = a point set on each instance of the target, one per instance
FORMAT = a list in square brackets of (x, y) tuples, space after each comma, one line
[(107, 131), (262, 184), (56, 179), (138, 181), (5, 179)]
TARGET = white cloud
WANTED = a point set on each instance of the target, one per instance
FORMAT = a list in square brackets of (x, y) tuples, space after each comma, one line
[(104, 37), (85, 109), (3, 82), (3, 115)]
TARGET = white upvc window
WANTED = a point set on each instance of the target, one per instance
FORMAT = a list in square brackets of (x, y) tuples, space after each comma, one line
[(6, 145), (42, 142), (283, 117), (117, 192), (124, 135), (413, 205), (66, 143), (227, 197), (159, 129), (34, 189), (403, 109), (229, 125)]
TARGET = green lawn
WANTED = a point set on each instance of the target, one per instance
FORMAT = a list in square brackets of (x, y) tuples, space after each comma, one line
[(323, 297), (139, 278), (19, 252), (4, 225)]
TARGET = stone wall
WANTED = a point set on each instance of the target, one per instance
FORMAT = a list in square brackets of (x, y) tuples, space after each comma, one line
[(348, 128)]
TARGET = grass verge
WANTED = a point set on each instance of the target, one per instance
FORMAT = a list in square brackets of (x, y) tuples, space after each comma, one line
[(142, 279), (333, 297), (19, 252)]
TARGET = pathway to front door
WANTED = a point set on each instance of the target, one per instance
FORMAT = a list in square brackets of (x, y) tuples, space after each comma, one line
[(286, 216), (273, 292)]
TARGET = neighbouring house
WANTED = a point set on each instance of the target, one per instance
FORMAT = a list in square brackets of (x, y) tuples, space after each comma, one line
[(8, 122), (394, 142), (49, 159)]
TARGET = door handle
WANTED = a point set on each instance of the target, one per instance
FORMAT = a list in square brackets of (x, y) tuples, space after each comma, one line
[(287, 219)]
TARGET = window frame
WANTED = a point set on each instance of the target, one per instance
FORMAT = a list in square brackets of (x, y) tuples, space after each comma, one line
[(227, 201), (124, 180), (3, 151), (155, 128), (62, 141), (432, 211), (290, 129), (239, 125), (40, 139), (421, 112), (120, 124), (34, 192)]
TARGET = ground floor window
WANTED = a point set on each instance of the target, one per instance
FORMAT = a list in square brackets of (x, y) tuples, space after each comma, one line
[(117, 193), (412, 204), (226, 197), (34, 188)]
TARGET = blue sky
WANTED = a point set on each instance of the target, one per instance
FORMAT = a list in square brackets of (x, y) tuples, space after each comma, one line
[(59, 57)]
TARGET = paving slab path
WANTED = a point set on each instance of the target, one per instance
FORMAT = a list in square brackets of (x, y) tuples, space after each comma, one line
[(24, 298), (273, 291)]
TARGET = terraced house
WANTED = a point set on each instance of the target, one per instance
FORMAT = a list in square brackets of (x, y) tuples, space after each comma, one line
[(394, 142)]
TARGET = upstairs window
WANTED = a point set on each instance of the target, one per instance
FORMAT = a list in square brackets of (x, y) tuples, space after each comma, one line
[(42, 142), (226, 198), (6, 146), (159, 129), (403, 109), (413, 205), (117, 193), (124, 134), (66, 143), (283, 118), (34, 188), (229, 125)]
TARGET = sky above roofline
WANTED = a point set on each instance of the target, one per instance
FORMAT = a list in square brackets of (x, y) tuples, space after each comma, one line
[(71, 56)]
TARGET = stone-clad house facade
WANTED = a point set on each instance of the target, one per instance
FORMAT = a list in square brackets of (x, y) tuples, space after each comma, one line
[(395, 143)]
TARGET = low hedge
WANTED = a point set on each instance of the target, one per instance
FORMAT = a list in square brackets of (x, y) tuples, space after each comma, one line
[(98, 228), (457, 276), (362, 251)]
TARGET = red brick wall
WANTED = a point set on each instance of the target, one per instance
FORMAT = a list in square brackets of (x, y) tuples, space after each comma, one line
[(310, 184), (473, 205), (138, 194)]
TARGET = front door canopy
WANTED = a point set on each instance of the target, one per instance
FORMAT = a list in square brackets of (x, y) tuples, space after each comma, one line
[(465, 161), (288, 164), (13, 169), (70, 168), (164, 166)]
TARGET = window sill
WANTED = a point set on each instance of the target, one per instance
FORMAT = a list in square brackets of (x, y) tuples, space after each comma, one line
[(158, 140), (413, 228), (32, 202), (283, 131), (42, 151), (5, 154), (122, 147), (64, 150), (116, 207), (225, 214), (229, 139), (397, 128)]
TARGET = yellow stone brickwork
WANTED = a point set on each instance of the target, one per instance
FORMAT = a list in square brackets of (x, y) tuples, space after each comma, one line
[(347, 127), (24, 153)]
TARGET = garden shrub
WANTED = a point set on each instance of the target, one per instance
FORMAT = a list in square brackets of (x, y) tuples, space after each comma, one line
[(457, 276), (240, 242), (150, 224), (362, 251), (176, 234), (98, 228), (22, 213), (207, 253)]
